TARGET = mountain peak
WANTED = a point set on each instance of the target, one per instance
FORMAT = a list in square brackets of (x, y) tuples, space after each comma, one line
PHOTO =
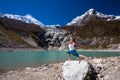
[(27, 18), (81, 20), (92, 11)]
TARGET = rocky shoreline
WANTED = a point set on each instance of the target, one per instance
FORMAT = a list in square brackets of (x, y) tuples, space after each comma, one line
[(19, 49), (102, 69), (55, 48)]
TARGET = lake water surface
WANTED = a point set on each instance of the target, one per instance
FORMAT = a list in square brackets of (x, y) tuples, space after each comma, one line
[(12, 60)]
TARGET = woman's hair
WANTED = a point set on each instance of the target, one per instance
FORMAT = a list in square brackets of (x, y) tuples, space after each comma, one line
[(73, 38)]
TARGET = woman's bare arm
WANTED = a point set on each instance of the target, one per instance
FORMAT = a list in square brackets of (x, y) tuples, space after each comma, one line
[(67, 44), (81, 46)]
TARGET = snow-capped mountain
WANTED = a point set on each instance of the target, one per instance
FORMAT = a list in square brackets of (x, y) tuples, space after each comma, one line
[(27, 19), (81, 20)]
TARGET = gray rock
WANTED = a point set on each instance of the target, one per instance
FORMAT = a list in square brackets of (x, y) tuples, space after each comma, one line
[(75, 70)]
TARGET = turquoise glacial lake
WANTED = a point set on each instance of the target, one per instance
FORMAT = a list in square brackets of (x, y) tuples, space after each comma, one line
[(13, 60)]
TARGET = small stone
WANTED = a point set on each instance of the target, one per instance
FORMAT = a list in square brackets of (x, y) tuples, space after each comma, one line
[(99, 75), (46, 64), (107, 77), (56, 76), (97, 61), (27, 68), (56, 67), (101, 79), (10, 72), (26, 72)]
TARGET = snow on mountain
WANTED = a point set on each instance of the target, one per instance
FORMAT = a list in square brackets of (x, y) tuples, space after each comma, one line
[(52, 25), (117, 18), (27, 18), (52, 28), (80, 19)]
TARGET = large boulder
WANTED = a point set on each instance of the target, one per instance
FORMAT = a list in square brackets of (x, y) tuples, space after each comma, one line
[(75, 70)]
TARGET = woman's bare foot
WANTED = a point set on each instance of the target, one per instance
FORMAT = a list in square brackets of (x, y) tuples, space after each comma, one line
[(86, 59)]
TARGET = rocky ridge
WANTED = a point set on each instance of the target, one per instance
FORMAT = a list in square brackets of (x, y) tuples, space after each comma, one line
[(56, 38)]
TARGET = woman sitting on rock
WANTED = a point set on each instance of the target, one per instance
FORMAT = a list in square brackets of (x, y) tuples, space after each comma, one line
[(71, 45)]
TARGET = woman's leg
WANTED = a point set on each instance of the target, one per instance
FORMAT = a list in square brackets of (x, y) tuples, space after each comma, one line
[(83, 57), (68, 56), (80, 56)]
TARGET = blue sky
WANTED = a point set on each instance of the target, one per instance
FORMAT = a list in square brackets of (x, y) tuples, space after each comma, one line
[(58, 11)]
